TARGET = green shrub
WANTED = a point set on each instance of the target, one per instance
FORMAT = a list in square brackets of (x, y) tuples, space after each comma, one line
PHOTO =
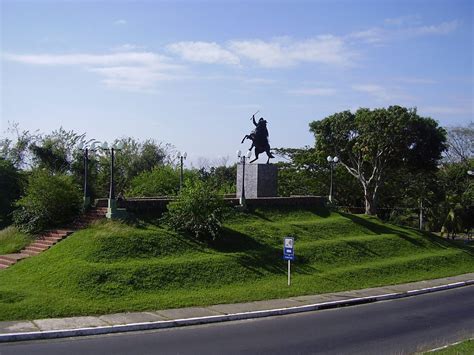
[(50, 200), (198, 211), (161, 181), (10, 187)]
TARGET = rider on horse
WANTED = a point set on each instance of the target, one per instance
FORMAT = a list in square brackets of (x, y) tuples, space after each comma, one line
[(260, 131), (259, 138)]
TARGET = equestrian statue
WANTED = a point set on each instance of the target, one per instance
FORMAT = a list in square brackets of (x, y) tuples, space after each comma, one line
[(259, 138)]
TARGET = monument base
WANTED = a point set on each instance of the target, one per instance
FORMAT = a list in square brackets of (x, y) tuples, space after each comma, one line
[(260, 180)]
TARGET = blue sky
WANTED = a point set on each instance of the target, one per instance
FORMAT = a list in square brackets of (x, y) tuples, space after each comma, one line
[(191, 73)]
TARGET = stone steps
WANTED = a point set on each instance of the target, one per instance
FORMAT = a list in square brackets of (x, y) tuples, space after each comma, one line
[(10, 259), (52, 237)]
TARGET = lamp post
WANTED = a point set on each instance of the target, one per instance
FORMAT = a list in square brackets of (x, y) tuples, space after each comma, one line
[(332, 162), (112, 203), (242, 161), (85, 150), (182, 157)]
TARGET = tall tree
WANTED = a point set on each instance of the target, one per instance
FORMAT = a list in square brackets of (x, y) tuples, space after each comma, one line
[(460, 144), (372, 143)]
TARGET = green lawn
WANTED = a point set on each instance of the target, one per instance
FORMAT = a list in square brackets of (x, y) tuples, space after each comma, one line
[(12, 240), (466, 347), (114, 267)]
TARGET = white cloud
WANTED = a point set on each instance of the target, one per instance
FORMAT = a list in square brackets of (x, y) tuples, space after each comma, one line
[(204, 52), (131, 70), (413, 80), (403, 20), (441, 29), (372, 35), (120, 22), (143, 58), (285, 52), (127, 47), (313, 92), (384, 94), (266, 54), (131, 78), (377, 35)]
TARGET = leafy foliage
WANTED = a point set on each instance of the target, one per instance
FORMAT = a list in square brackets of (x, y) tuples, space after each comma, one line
[(58, 152), (371, 143), (50, 200), (160, 181), (133, 159), (306, 172), (54, 152), (221, 178), (16, 150), (460, 144), (457, 208), (198, 211), (10, 187)]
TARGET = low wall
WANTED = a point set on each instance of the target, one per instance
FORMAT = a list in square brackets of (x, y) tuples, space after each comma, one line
[(157, 205), (282, 202)]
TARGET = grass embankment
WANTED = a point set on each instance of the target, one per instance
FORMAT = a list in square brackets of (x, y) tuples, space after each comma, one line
[(466, 347), (113, 267), (12, 240)]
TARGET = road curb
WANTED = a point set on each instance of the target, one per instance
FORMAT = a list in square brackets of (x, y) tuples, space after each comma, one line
[(64, 333)]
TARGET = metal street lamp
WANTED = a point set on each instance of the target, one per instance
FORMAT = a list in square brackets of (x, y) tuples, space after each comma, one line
[(182, 156), (85, 150), (332, 162), (112, 203), (242, 161)]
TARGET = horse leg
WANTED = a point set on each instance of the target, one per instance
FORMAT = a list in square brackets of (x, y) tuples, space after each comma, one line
[(245, 137), (269, 152), (256, 157), (269, 155)]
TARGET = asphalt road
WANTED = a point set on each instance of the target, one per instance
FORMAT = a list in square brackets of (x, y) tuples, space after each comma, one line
[(392, 327)]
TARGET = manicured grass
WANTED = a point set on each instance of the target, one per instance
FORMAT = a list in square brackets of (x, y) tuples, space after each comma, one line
[(466, 347), (12, 240), (115, 267)]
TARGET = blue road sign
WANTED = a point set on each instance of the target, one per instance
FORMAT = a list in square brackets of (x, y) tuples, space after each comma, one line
[(288, 250)]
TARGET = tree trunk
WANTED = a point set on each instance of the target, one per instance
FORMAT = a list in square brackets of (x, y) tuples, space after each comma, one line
[(370, 208)]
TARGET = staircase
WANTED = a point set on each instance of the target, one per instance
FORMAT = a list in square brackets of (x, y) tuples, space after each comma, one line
[(51, 237)]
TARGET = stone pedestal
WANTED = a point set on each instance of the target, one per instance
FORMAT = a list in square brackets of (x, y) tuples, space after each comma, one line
[(260, 180)]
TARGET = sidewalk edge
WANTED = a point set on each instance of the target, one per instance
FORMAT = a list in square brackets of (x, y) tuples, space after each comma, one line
[(64, 333)]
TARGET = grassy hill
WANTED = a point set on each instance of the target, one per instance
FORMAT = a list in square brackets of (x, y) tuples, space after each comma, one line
[(113, 267)]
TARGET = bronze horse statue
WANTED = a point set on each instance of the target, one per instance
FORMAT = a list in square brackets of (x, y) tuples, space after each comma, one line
[(259, 138)]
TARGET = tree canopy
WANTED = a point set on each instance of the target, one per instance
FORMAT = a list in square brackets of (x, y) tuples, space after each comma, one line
[(371, 144)]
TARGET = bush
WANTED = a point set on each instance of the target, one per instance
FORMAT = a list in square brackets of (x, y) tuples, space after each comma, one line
[(50, 200), (198, 211), (161, 181), (10, 187)]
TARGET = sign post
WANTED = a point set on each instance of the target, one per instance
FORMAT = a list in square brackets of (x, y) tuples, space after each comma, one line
[(289, 254)]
